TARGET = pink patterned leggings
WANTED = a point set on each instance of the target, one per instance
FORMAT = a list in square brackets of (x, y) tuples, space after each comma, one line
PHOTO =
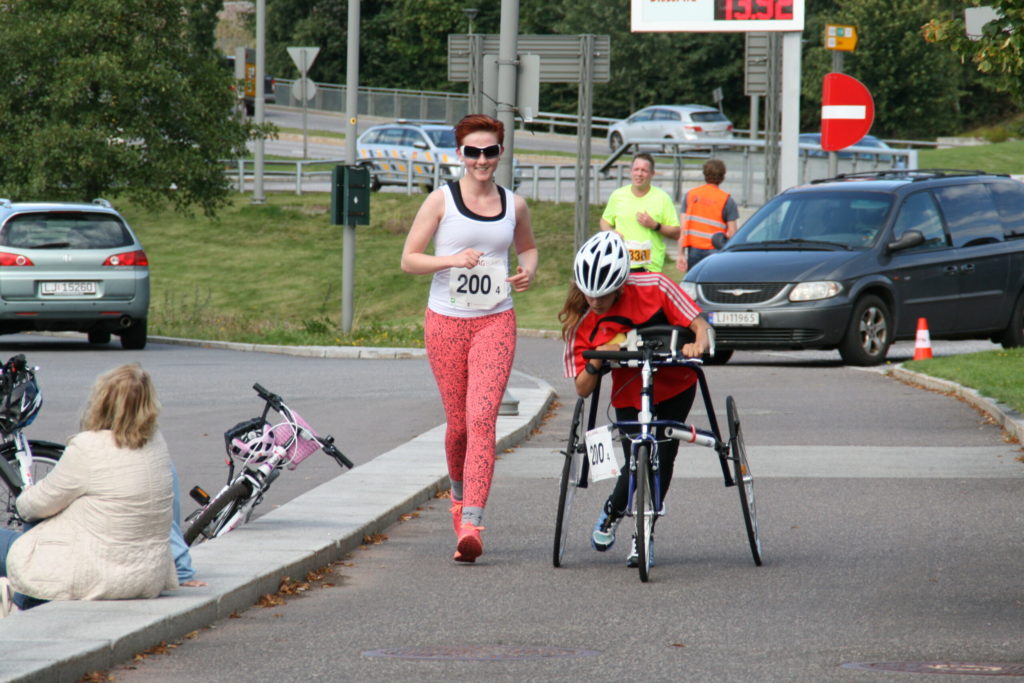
[(471, 359)]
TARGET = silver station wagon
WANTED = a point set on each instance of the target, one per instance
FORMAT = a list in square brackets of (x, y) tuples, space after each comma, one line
[(72, 267)]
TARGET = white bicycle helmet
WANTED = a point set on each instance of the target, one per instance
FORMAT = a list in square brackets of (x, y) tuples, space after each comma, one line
[(602, 264)]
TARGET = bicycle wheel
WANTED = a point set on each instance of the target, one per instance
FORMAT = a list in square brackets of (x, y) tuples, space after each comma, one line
[(574, 452), (744, 480), (644, 510), (44, 458), (212, 518)]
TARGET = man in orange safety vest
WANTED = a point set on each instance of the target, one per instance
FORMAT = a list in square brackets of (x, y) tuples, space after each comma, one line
[(705, 210)]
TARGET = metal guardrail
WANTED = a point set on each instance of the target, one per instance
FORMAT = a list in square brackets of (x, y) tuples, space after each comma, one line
[(422, 105), (678, 167)]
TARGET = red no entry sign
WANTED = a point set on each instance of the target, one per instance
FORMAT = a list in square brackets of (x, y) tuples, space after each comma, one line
[(847, 111)]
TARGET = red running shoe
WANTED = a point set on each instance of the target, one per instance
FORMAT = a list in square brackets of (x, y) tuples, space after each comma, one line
[(470, 545)]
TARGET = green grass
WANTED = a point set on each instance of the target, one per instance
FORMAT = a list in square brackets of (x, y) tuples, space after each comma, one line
[(272, 273), (1000, 157), (996, 374)]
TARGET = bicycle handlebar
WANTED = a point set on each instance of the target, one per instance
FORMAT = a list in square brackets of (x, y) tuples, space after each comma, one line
[(659, 357), (268, 396), (326, 442), (332, 450)]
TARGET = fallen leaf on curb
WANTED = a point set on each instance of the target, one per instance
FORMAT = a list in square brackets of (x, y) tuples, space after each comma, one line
[(374, 539), (270, 600)]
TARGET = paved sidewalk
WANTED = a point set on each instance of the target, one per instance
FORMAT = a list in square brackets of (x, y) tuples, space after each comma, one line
[(61, 641)]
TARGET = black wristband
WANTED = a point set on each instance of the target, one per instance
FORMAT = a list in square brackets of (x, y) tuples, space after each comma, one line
[(657, 227), (591, 370)]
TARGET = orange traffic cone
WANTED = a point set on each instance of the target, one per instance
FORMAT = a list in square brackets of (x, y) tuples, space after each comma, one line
[(923, 345)]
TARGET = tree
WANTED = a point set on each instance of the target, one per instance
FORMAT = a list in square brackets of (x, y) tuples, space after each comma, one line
[(115, 97), (998, 52)]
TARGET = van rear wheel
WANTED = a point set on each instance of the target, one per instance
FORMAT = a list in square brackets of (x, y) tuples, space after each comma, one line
[(1013, 335)]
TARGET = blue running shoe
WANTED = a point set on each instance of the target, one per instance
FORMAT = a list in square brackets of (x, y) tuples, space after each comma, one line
[(633, 559), (604, 532)]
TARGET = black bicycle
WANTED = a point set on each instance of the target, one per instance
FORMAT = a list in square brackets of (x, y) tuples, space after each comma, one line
[(263, 450), (656, 346), (23, 461)]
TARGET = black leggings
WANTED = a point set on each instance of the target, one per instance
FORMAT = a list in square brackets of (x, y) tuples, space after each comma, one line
[(675, 408)]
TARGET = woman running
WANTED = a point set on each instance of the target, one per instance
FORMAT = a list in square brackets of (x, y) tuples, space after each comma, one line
[(470, 325), (606, 301)]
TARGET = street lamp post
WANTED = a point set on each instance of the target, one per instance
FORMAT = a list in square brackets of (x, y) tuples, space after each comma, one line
[(476, 86), (470, 13)]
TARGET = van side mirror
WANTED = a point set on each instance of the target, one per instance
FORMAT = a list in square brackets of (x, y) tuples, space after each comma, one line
[(911, 238), (718, 240)]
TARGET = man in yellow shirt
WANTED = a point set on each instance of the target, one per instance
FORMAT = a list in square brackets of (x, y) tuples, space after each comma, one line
[(644, 215)]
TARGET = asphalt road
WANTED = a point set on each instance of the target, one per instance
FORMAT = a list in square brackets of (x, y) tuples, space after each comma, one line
[(891, 523), (370, 406)]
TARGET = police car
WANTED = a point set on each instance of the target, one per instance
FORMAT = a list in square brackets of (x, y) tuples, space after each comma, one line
[(412, 153), (394, 150)]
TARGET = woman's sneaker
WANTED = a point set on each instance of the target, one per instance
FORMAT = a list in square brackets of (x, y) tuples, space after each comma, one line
[(470, 545), (604, 532), (633, 559)]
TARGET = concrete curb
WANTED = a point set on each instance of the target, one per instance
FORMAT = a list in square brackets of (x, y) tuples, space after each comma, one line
[(1005, 416), (61, 641), (354, 352)]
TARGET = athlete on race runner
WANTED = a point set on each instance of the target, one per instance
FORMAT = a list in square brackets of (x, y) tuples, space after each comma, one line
[(605, 302)]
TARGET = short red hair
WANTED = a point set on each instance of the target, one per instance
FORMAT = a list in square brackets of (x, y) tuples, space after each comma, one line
[(478, 122)]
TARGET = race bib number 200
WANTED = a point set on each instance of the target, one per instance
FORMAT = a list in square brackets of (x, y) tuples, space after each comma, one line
[(480, 287), (601, 454)]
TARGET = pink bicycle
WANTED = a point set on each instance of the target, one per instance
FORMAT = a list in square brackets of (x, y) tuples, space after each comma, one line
[(262, 450)]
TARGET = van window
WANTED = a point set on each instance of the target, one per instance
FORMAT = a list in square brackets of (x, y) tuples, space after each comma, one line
[(920, 213), (844, 219), (1009, 199), (970, 214)]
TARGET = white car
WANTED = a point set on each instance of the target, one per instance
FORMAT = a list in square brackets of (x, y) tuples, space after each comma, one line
[(683, 122), (394, 151)]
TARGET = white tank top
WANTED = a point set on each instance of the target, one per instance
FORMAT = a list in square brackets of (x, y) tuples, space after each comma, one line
[(461, 229)]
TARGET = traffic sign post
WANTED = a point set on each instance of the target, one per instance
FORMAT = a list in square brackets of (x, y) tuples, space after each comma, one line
[(847, 111), (303, 88), (841, 38)]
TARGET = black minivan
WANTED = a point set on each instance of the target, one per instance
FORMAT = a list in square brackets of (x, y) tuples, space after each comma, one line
[(852, 262)]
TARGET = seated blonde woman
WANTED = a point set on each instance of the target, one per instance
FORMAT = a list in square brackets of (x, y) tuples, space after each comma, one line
[(99, 521)]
